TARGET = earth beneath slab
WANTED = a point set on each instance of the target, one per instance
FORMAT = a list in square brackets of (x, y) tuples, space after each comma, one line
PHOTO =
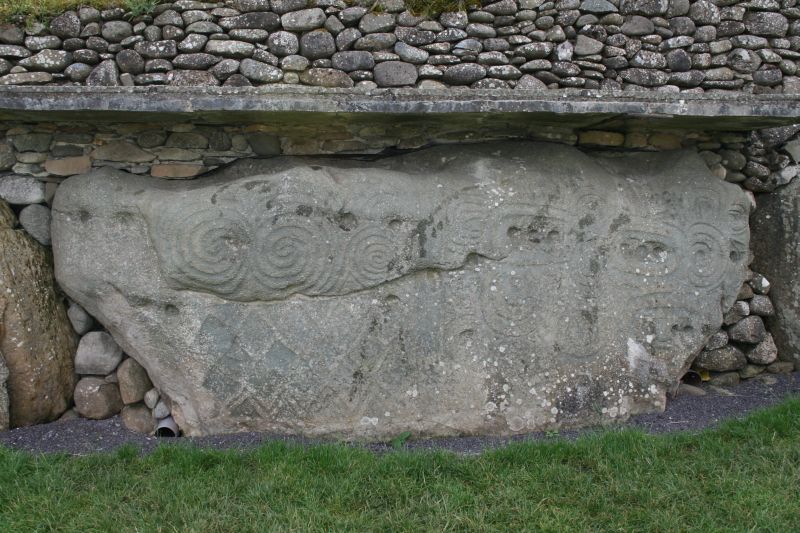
[(683, 413)]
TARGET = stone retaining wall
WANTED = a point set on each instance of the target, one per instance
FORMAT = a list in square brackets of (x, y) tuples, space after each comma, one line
[(50, 152), (36, 157), (669, 45)]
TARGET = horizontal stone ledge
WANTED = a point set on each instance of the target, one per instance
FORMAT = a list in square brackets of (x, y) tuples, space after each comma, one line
[(564, 108)]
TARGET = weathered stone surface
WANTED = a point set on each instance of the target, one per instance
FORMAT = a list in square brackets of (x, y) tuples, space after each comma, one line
[(133, 381), (749, 330), (138, 418), (260, 72), (47, 61), (722, 359), (122, 151), (232, 49), (66, 25), (98, 353), (68, 166), (395, 74), (453, 290), (80, 319), (36, 340), (303, 20), (27, 78), (326, 77), (35, 219), (5, 415), (776, 245), (176, 170), (97, 398), (106, 74), (764, 353), (21, 189)]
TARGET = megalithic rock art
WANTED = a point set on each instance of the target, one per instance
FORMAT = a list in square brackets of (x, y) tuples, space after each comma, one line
[(481, 289)]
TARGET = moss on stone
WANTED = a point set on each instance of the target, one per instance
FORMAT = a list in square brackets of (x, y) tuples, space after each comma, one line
[(29, 11)]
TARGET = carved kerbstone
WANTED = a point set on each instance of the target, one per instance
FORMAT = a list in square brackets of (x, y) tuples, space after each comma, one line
[(493, 288)]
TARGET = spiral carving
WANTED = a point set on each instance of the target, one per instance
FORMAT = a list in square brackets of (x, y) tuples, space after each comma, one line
[(291, 254), (706, 253), (510, 305), (212, 250), (371, 254)]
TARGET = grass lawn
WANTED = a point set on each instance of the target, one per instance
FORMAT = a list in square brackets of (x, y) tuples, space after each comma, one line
[(43, 10), (743, 476)]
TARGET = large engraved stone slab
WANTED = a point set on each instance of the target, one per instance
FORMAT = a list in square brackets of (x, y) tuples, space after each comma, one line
[(494, 288)]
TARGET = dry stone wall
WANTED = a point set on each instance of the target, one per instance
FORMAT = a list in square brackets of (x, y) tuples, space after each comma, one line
[(670, 45)]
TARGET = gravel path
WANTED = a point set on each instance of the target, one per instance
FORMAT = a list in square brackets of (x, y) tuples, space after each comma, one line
[(684, 413)]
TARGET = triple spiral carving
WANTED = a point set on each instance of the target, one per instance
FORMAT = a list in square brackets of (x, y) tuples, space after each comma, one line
[(219, 251)]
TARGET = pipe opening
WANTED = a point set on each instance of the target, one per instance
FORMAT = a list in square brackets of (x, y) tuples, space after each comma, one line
[(167, 428)]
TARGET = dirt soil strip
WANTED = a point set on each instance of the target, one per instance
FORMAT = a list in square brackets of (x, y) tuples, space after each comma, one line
[(684, 413)]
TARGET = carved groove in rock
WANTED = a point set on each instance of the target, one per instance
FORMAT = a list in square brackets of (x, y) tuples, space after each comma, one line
[(494, 288)]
